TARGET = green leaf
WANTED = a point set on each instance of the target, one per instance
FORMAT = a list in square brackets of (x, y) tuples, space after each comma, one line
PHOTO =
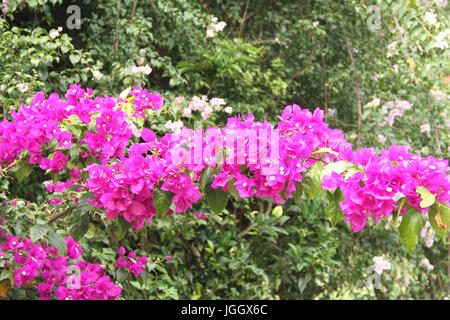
[(162, 200), (59, 243), (444, 212), (22, 171), (427, 197), (312, 180), (325, 150), (5, 274), (74, 152), (339, 167), (277, 211), (412, 223), (298, 191), (232, 188), (434, 218), (206, 174), (125, 93), (38, 231), (333, 210), (217, 198), (79, 229), (121, 275), (74, 58), (83, 206)]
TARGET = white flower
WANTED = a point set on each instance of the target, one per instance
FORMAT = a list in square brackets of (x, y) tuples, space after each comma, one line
[(186, 113), (381, 264), (425, 262), (331, 112), (179, 99), (315, 23), (395, 68), (441, 3), (374, 103), (430, 17), (206, 112), (217, 102), (220, 26), (144, 69), (97, 74), (5, 7), (22, 87), (142, 51), (425, 128), (174, 126), (53, 33), (210, 33), (228, 110), (440, 40)]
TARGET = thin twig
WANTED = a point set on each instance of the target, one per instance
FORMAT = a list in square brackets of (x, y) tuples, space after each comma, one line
[(61, 214), (356, 85), (325, 87), (133, 10), (116, 43), (245, 231), (242, 26)]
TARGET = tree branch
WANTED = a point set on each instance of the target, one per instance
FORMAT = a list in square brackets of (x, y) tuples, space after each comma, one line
[(356, 85), (325, 87), (133, 10), (61, 214), (244, 17)]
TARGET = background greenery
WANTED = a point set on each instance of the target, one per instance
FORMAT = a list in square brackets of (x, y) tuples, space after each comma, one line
[(326, 54)]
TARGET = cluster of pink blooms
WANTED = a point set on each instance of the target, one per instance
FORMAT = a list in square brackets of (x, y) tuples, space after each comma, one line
[(260, 159), (126, 261), (125, 188), (55, 275), (384, 180), (144, 100)]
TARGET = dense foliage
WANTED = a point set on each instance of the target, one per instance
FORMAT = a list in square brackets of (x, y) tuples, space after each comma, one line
[(93, 167)]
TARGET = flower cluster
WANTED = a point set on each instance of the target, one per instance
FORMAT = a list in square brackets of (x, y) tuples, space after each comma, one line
[(54, 274), (384, 180), (395, 109), (426, 263), (202, 105), (427, 233), (45, 121), (381, 264), (145, 100), (125, 189), (215, 27), (253, 158), (134, 266)]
